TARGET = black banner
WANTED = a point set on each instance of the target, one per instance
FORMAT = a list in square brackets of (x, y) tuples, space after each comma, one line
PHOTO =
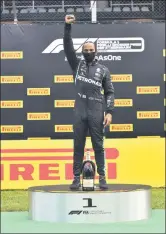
[(37, 89)]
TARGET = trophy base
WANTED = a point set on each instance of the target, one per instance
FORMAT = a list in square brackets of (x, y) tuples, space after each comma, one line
[(120, 203)]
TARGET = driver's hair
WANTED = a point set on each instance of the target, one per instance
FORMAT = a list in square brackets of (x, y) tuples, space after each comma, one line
[(89, 42)]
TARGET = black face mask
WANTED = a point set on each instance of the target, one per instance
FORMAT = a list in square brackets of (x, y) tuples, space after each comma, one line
[(89, 57)]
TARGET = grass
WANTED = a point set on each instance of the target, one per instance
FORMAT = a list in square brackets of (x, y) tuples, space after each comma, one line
[(17, 200)]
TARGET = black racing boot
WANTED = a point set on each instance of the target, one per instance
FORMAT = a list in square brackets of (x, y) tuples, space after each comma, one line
[(102, 183), (76, 183)]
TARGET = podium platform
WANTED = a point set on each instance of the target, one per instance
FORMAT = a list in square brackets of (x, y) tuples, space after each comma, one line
[(120, 203)]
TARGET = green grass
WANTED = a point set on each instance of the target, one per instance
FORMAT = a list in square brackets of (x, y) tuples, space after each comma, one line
[(14, 200), (17, 200)]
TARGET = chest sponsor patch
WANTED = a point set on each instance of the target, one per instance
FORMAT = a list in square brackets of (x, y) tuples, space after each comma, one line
[(98, 76), (90, 81)]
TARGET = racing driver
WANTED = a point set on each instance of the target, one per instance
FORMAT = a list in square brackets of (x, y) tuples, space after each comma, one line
[(94, 98)]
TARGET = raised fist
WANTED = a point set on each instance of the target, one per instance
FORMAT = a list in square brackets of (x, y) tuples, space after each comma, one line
[(69, 19)]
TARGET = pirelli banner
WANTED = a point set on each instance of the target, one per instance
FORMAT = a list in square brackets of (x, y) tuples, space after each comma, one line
[(37, 88)]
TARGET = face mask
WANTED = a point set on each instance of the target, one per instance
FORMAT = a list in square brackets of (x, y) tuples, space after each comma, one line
[(89, 57)]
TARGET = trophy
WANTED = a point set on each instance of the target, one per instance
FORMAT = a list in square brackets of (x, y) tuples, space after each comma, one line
[(88, 173)]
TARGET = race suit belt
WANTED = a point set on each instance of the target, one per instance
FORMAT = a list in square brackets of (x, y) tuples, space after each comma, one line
[(90, 98)]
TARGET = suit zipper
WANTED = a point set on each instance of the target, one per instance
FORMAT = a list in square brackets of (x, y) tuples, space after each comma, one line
[(88, 71), (88, 78)]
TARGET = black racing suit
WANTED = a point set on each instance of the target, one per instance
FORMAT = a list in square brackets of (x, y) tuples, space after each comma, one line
[(90, 82)]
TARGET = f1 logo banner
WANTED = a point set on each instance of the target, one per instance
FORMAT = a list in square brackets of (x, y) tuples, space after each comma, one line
[(104, 45)]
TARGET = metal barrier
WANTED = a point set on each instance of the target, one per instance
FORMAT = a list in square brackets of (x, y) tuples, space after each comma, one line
[(45, 10), (132, 9), (84, 10)]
